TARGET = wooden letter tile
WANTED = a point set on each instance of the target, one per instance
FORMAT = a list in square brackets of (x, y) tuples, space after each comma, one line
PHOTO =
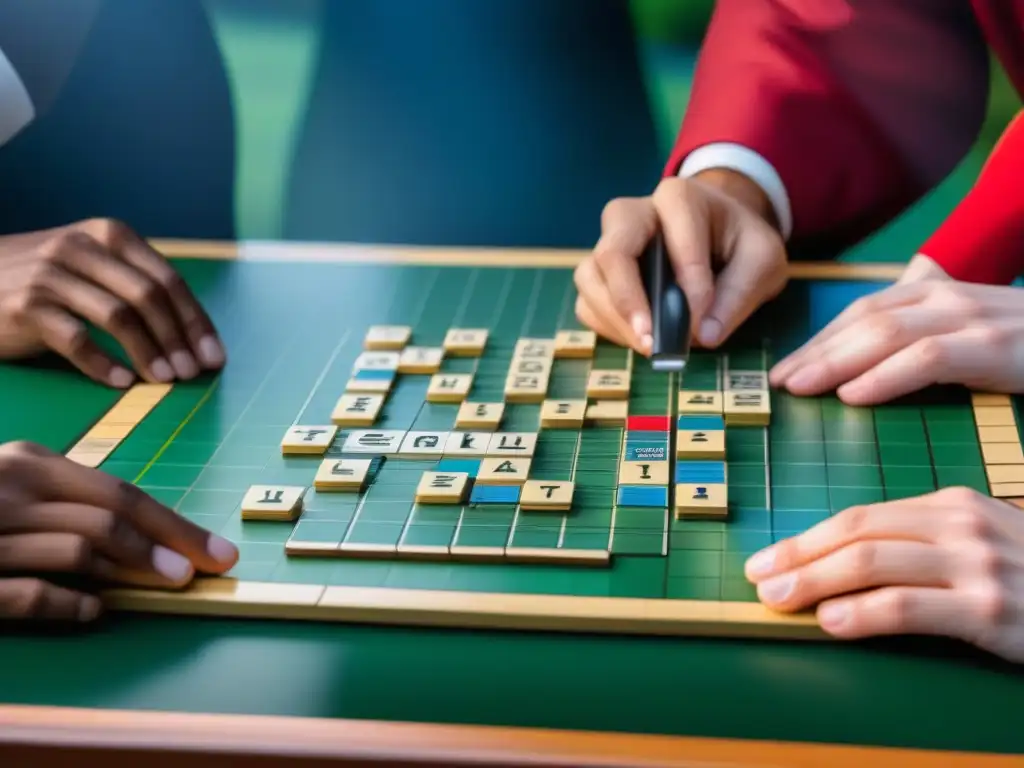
[(546, 495), (442, 487), (449, 387), (503, 471), (467, 444), (1002, 453), (527, 387), (306, 440), (377, 361), (465, 342), (485, 416), (575, 344), (530, 348), (987, 399), (692, 444), (379, 442), (563, 414), (990, 435), (342, 474), (608, 413), (420, 360), (387, 337), (273, 502), (699, 403), (361, 382), (512, 444), (1001, 474), (608, 385), (749, 407), (423, 445), (357, 410), (643, 473), (701, 500), (746, 381), (994, 416)]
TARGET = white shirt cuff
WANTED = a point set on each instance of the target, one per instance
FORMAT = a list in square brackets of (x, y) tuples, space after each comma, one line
[(16, 109), (738, 158)]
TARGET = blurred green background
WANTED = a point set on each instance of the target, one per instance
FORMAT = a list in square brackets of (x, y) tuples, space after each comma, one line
[(503, 122)]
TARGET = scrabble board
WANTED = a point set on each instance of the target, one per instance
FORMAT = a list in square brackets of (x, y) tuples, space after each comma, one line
[(444, 445)]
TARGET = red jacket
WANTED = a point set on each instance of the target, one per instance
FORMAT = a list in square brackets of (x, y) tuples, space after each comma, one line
[(863, 106)]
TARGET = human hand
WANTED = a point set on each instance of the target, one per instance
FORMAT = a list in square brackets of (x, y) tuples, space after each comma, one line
[(949, 563), (60, 518), (99, 271), (927, 329), (718, 219)]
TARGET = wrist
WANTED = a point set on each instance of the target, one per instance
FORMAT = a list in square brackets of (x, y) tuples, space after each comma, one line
[(742, 189)]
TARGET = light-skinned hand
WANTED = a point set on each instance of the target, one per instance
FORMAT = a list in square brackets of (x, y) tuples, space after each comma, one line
[(720, 235)]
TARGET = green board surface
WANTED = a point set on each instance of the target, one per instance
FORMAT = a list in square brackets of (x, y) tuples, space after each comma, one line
[(296, 341)]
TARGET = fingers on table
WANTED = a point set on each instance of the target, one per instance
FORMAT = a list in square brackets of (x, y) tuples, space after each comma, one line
[(135, 525), (908, 610), (37, 600), (192, 320), (855, 567), (858, 348), (981, 357), (861, 309)]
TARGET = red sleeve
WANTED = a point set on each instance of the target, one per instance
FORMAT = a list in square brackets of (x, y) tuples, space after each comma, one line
[(982, 241), (860, 107)]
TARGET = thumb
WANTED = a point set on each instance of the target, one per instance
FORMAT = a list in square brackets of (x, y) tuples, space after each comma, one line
[(755, 271)]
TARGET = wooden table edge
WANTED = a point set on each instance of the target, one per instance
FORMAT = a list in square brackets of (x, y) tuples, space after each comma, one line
[(94, 734), (302, 251)]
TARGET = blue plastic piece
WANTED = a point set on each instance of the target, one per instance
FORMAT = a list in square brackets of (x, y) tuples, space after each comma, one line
[(700, 472), (707, 423), (470, 466), (494, 494), (642, 496)]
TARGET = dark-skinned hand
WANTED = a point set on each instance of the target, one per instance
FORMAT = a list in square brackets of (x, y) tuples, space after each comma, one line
[(54, 282), (61, 521)]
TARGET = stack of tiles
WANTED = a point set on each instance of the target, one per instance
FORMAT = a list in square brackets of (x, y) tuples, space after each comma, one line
[(644, 470), (700, 475), (747, 399)]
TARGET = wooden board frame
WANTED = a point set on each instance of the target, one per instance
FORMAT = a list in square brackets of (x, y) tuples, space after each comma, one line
[(72, 738), (471, 610)]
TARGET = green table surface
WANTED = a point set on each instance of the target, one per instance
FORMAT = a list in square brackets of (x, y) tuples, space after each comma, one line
[(907, 692)]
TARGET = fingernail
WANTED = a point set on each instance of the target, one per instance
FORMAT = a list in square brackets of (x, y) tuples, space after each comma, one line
[(89, 608), (641, 325), (170, 564), (211, 352), (710, 331), (184, 365), (761, 563), (120, 377), (802, 377), (162, 370), (778, 589), (222, 550), (646, 342), (833, 615)]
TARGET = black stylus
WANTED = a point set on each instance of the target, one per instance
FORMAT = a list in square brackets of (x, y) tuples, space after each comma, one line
[(670, 313)]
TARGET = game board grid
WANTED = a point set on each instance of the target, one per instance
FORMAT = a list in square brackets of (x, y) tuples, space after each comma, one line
[(705, 558), (850, 448), (387, 524)]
